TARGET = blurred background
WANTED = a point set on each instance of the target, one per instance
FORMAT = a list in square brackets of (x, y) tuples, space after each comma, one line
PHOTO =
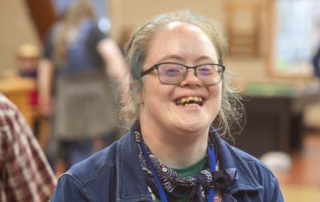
[(273, 46)]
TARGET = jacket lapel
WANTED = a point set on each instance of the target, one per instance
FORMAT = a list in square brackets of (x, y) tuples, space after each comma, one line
[(131, 184)]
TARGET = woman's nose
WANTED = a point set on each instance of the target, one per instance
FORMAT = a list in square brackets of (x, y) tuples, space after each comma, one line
[(191, 79)]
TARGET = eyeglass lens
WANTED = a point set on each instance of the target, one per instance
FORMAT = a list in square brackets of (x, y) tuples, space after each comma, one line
[(175, 73)]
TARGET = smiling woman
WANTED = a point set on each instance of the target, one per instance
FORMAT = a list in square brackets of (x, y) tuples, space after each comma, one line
[(230, 115), (179, 102)]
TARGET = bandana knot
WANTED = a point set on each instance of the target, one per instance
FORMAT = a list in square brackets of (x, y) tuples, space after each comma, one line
[(224, 178)]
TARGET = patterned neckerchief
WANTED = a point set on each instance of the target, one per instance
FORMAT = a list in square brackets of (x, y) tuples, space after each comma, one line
[(173, 184)]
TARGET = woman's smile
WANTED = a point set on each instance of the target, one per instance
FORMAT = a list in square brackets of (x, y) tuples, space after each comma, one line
[(191, 101)]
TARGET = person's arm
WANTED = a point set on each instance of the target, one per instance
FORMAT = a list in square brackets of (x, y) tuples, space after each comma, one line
[(68, 189), (112, 56), (45, 74), (28, 174), (115, 64)]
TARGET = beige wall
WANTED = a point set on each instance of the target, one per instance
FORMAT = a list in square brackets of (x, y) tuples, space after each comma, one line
[(15, 29), (139, 11), (136, 13)]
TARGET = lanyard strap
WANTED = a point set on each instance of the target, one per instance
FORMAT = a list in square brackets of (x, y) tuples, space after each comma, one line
[(163, 198), (212, 162)]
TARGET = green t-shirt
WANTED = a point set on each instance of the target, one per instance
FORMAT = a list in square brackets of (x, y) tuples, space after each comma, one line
[(188, 171)]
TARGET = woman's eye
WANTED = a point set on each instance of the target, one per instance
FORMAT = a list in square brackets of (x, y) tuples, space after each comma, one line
[(171, 69), (205, 71), (172, 72)]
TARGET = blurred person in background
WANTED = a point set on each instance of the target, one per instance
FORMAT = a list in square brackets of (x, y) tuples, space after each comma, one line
[(27, 58), (25, 174), (316, 56), (78, 81), (180, 105)]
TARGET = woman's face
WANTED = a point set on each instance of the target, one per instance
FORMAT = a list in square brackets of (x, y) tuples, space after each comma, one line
[(189, 45)]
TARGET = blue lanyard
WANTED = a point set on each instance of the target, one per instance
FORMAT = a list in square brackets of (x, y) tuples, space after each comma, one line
[(163, 198), (212, 163)]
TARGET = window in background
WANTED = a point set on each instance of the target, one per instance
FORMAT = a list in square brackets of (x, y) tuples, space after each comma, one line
[(294, 40)]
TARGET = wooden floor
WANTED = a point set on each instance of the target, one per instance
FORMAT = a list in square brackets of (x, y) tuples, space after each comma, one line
[(301, 183)]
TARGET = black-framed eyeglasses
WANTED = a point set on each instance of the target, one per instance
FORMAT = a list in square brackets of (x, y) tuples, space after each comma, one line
[(174, 73)]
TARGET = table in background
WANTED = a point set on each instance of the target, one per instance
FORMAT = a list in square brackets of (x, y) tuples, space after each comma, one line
[(274, 117), (18, 91)]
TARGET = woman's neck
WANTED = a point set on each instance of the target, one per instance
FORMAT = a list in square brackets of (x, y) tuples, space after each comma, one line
[(175, 150)]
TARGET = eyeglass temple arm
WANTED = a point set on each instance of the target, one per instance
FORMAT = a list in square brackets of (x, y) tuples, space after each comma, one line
[(148, 70)]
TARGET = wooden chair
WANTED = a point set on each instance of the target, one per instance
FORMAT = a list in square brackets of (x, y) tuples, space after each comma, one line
[(243, 27)]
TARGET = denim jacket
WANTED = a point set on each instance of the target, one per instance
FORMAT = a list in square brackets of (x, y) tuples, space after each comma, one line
[(115, 174)]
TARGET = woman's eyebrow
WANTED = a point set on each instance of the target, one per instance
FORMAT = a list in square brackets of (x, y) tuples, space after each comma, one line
[(168, 57), (204, 57)]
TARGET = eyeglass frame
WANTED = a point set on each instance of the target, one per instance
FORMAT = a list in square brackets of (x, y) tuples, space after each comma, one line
[(156, 66)]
